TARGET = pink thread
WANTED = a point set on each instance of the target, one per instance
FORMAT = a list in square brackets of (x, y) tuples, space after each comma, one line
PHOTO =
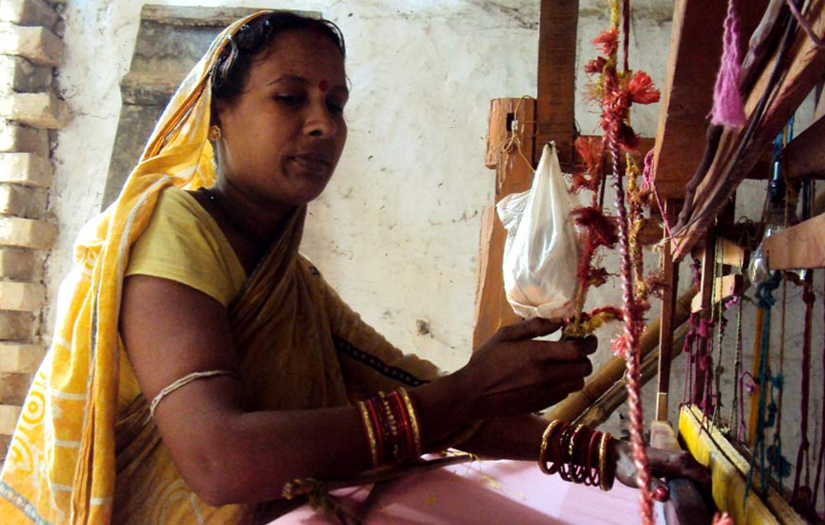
[(630, 337), (727, 102), (648, 183)]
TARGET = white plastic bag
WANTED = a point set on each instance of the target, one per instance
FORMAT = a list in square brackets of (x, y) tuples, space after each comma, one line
[(542, 250)]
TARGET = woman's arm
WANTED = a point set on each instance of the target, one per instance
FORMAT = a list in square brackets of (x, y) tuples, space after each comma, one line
[(229, 455)]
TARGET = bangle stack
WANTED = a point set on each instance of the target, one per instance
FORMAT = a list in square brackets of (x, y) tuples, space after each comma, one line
[(577, 453), (391, 427)]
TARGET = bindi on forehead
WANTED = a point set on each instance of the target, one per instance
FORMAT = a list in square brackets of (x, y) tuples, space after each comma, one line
[(323, 85)]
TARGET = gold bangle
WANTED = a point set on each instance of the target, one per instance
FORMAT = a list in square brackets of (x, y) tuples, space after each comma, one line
[(413, 420), (603, 463), (365, 418), (571, 450), (543, 450), (396, 450)]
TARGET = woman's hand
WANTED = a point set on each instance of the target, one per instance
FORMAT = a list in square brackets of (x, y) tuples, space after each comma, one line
[(513, 373), (663, 464)]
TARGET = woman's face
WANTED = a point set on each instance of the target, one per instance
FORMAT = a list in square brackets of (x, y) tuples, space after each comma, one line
[(283, 136)]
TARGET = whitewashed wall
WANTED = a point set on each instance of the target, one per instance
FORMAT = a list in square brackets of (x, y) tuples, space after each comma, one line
[(397, 230)]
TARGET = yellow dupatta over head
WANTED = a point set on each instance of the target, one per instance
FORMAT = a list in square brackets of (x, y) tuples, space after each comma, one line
[(60, 466)]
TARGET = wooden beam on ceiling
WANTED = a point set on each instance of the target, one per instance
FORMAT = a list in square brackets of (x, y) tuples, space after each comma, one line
[(555, 100), (687, 97)]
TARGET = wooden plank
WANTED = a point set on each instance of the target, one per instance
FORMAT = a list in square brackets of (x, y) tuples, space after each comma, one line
[(671, 276), (801, 246), (729, 253), (803, 155), (729, 470), (803, 68), (513, 174), (687, 96), (725, 287), (555, 106)]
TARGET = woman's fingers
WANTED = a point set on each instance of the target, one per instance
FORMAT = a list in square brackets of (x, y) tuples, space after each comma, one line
[(532, 328), (677, 464), (659, 489)]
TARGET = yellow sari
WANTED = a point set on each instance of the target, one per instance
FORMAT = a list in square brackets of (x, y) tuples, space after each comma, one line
[(76, 455)]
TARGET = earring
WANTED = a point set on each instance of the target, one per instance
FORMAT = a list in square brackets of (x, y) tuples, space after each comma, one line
[(215, 133)]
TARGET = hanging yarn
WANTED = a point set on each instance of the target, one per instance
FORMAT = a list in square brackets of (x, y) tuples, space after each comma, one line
[(615, 92), (803, 455), (765, 301), (727, 101)]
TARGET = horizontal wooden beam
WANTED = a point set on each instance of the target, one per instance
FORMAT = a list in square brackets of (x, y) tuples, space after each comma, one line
[(801, 246), (803, 156)]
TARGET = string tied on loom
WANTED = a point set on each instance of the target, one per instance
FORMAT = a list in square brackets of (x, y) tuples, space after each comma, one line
[(764, 300), (727, 101)]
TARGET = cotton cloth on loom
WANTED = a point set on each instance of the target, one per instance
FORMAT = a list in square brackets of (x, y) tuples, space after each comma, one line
[(85, 450)]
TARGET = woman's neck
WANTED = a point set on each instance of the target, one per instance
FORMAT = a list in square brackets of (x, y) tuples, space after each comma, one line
[(250, 224)]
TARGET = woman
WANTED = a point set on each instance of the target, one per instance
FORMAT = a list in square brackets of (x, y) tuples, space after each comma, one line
[(200, 362)]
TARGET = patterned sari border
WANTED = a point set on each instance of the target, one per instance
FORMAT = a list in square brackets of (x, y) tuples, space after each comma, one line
[(24, 505), (392, 372)]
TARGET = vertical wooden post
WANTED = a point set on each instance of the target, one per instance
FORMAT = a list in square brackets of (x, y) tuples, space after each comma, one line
[(555, 101), (511, 122), (706, 292), (671, 276), (551, 116)]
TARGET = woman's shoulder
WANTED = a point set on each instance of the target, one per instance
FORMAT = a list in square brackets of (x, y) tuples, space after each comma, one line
[(184, 243)]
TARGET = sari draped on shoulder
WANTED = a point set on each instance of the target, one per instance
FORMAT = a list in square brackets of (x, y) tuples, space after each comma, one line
[(81, 453)]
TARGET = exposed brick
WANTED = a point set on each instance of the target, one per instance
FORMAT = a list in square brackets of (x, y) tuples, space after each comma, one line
[(18, 74), (28, 12), (38, 44), (40, 110), (20, 357), (22, 297), (13, 387), (23, 139), (17, 264), (27, 169), (22, 201), (17, 326), (27, 233), (9, 415), (5, 442)]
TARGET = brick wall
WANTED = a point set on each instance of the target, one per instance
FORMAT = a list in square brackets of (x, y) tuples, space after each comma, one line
[(31, 112)]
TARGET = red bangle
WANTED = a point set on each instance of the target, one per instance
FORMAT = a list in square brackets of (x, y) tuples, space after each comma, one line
[(593, 450), (379, 430), (405, 426)]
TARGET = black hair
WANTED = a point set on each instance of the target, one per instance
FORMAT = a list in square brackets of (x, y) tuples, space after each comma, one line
[(231, 70)]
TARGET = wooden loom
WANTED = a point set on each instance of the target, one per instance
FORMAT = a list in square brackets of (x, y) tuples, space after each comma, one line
[(681, 149)]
